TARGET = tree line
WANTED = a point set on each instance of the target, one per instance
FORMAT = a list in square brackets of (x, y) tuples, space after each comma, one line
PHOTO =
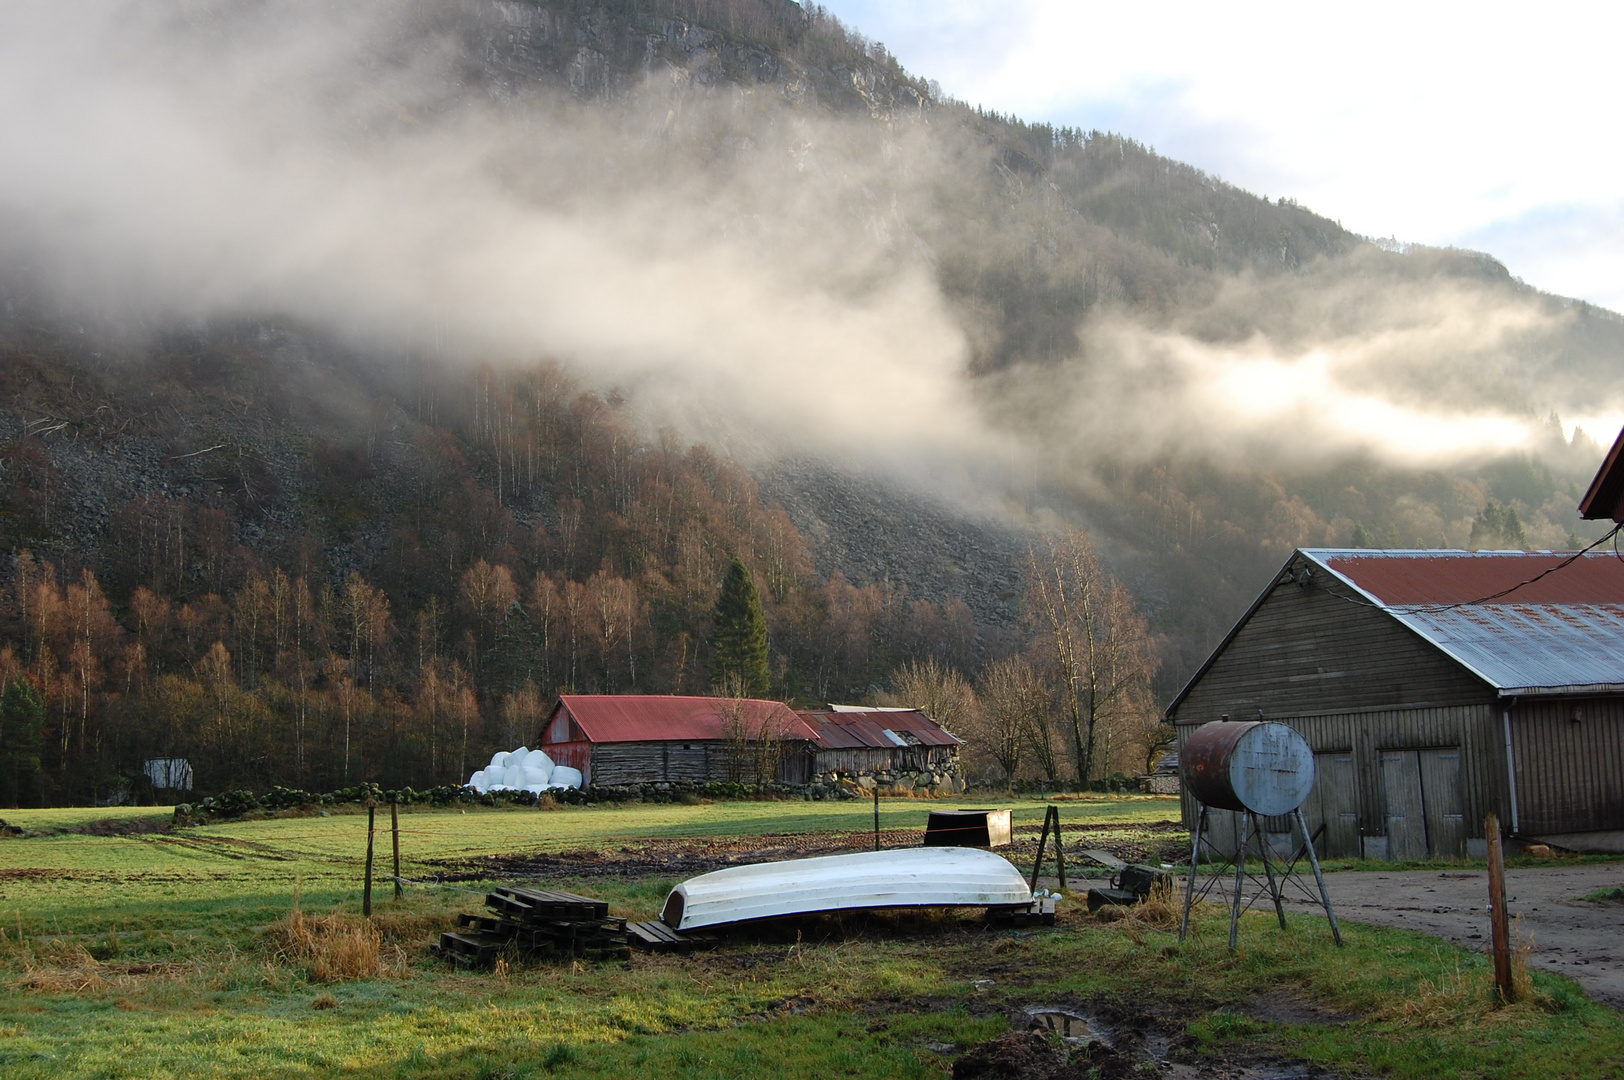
[(320, 685)]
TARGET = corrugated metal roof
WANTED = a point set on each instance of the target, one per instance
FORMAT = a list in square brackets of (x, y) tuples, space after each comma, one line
[(1530, 648), (876, 729), (612, 718), (1561, 634), (1457, 577)]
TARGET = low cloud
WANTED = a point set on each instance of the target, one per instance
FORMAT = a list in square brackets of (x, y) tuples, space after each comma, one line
[(748, 273)]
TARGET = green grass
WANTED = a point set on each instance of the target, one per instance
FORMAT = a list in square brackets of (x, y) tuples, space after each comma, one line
[(184, 983)]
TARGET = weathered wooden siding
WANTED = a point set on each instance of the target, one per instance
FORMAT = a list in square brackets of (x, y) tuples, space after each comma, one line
[(1570, 765), (696, 762), (577, 755), (898, 759), (659, 762), (1318, 649), (1364, 733)]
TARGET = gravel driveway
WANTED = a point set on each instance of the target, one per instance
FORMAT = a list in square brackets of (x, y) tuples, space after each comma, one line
[(1582, 939)]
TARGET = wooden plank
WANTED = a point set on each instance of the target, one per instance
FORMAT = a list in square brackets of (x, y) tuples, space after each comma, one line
[(1406, 815), (1441, 799), (1104, 858)]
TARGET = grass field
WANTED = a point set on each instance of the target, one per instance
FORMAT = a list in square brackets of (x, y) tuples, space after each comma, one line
[(157, 954)]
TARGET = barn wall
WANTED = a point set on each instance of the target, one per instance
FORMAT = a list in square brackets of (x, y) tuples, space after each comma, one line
[(577, 755), (659, 762), (1320, 649), (856, 760), (1475, 729), (693, 761), (1570, 765)]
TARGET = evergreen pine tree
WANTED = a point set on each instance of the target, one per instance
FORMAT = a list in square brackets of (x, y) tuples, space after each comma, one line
[(22, 720), (1498, 526), (739, 641)]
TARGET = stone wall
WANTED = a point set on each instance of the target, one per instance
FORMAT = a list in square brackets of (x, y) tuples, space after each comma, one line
[(942, 778)]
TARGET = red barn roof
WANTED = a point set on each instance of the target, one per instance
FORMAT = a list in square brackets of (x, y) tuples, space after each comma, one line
[(884, 729), (1401, 578), (612, 718)]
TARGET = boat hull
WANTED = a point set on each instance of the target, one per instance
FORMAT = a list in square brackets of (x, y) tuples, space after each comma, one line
[(909, 877)]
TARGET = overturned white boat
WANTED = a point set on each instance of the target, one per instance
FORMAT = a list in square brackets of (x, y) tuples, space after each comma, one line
[(908, 877)]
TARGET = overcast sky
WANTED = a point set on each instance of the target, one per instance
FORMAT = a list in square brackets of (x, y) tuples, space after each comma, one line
[(1480, 126)]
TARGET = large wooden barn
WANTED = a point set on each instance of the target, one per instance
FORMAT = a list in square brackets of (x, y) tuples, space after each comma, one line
[(1436, 687), (624, 739), (650, 739)]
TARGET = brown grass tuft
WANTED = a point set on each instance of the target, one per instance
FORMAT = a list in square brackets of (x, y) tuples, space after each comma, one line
[(333, 948), (1161, 910)]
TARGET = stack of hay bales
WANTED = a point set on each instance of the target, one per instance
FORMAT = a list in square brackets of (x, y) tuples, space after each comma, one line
[(524, 769)]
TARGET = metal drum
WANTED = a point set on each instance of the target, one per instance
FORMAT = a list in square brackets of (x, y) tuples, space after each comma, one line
[(1252, 765)]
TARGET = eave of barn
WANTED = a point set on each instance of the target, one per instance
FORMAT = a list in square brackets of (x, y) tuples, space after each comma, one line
[(1321, 647)]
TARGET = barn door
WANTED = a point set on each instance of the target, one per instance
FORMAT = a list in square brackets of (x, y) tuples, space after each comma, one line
[(1406, 812), (1441, 793), (1335, 805)]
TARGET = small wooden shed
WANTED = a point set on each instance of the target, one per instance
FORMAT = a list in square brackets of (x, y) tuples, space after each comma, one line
[(1435, 687), (866, 742)]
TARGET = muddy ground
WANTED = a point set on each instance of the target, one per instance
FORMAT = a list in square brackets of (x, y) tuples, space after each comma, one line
[(1158, 841)]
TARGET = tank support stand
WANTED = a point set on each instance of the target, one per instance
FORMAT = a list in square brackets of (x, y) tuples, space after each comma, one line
[(1251, 826)]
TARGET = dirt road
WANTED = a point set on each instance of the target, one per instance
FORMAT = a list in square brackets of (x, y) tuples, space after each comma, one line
[(1582, 939)]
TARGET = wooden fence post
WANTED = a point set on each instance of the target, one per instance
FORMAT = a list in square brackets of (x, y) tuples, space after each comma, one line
[(876, 818), (1499, 918), (394, 827), (366, 891)]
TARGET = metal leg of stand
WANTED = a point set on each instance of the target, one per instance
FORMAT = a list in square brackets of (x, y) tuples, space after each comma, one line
[(1240, 876), (1268, 871), (1195, 859), (1319, 876)]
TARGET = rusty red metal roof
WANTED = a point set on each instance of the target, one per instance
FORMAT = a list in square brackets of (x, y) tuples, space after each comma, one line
[(1605, 499), (612, 718), (869, 730), (1403, 578)]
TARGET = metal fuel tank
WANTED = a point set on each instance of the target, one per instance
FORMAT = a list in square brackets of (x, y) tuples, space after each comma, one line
[(1255, 765)]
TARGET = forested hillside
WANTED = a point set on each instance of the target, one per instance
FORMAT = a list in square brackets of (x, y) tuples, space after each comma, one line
[(411, 365)]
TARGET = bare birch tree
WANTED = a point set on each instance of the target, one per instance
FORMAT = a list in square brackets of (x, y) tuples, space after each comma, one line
[(1092, 642), (937, 691), (1014, 715)]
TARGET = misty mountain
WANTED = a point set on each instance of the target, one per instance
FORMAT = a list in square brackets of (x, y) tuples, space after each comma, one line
[(278, 244)]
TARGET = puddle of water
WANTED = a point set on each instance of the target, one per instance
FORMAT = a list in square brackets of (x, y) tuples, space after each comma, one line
[(1072, 1026)]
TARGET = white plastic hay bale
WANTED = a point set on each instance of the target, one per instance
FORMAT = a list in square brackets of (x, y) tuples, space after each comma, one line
[(535, 789), (477, 781), (566, 777), (499, 759), (539, 772), (513, 776), (539, 759), (517, 757)]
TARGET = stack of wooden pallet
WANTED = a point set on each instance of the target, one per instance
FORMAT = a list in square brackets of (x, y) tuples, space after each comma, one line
[(658, 937), (529, 922)]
